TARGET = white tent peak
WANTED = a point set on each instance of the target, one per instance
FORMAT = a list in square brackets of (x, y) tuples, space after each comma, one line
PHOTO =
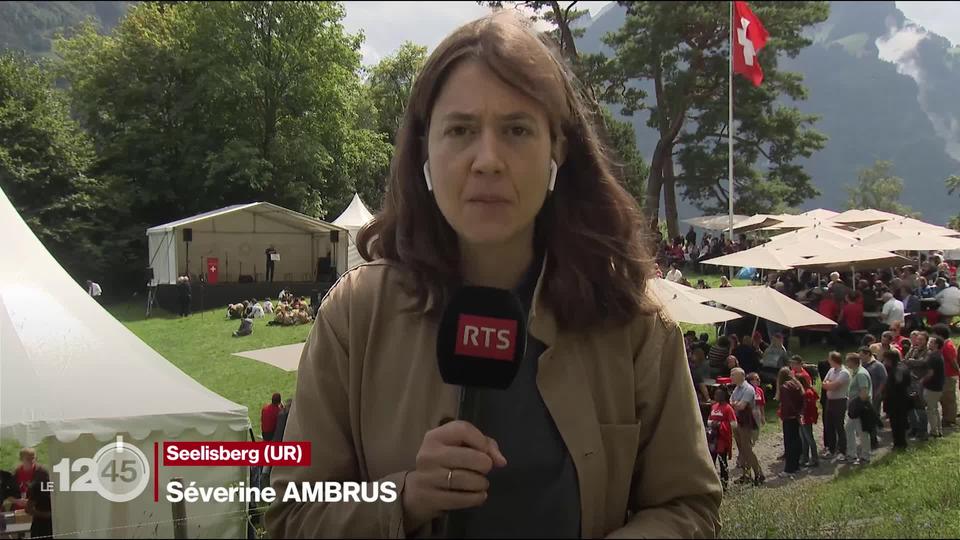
[(355, 216), (70, 368)]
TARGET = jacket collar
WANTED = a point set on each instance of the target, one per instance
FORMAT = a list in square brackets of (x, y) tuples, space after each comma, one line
[(541, 322)]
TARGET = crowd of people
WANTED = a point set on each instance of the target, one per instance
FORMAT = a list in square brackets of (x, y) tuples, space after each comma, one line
[(907, 384), (290, 310)]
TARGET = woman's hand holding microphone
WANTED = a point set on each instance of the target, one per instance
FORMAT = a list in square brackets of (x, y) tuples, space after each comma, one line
[(452, 465)]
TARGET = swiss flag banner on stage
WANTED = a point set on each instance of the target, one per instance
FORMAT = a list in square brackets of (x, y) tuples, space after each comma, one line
[(749, 37), (213, 270)]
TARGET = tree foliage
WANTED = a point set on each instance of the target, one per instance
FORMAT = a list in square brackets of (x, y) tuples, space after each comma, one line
[(44, 161), (682, 49), (878, 188), (195, 106)]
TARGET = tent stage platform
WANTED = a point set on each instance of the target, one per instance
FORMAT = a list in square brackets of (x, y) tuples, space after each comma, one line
[(206, 296)]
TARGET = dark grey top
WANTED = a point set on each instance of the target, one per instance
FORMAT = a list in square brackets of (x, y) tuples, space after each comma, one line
[(537, 494)]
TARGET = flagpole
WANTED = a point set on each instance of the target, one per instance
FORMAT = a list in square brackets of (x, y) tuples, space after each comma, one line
[(730, 125)]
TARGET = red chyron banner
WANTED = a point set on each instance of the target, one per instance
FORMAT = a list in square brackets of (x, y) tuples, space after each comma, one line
[(213, 270), (228, 454), (486, 337), (749, 37)]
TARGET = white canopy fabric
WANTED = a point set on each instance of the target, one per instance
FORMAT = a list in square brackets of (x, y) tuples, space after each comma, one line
[(855, 258), (719, 222), (906, 225), (768, 304), (795, 222), (758, 221), (865, 217), (353, 219), (812, 234), (811, 247), (758, 257), (75, 377), (820, 213), (70, 368), (682, 309), (914, 242), (355, 216), (687, 292)]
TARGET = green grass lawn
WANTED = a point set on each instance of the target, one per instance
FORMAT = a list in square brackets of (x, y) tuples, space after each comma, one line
[(909, 495)]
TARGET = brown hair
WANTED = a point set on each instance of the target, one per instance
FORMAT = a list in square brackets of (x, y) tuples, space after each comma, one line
[(591, 228), (784, 375)]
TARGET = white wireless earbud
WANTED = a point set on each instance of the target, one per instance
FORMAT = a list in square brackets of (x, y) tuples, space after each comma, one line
[(426, 175), (553, 176)]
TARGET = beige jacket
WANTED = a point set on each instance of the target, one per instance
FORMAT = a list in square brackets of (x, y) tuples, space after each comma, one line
[(368, 389)]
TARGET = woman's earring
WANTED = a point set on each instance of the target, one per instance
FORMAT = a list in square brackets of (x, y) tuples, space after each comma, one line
[(553, 176), (426, 175)]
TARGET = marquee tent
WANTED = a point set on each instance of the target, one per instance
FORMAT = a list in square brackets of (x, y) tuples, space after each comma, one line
[(353, 219), (76, 378), (238, 237)]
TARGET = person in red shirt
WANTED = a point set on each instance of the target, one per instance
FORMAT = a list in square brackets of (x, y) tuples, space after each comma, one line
[(852, 312), (24, 474), (951, 372), (268, 416), (828, 307), (754, 379), (809, 456), (720, 426)]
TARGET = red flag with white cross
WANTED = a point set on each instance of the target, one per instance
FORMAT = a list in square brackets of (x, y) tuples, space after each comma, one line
[(749, 37)]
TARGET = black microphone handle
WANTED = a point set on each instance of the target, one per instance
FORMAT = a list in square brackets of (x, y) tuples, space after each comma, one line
[(465, 411)]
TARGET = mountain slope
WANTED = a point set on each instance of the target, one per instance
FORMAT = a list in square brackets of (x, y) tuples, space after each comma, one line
[(870, 108)]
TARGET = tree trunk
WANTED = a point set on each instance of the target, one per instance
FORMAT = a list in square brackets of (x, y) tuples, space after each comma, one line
[(669, 194), (654, 183)]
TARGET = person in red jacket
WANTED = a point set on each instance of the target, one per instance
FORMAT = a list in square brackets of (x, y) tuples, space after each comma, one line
[(809, 456), (791, 407), (720, 426), (268, 416)]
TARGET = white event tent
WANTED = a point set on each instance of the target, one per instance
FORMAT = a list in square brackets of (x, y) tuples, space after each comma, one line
[(75, 378), (353, 219), (238, 237)]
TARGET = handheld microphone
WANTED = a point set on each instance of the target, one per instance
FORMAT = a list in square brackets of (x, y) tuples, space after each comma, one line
[(480, 343), (482, 338)]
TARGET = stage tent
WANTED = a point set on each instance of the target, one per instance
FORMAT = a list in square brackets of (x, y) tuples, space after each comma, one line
[(353, 219), (238, 236), (76, 379)]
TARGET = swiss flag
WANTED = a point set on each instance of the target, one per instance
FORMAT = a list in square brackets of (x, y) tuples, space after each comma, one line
[(213, 270), (749, 37)]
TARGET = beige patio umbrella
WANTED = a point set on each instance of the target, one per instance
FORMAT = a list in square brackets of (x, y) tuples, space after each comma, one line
[(855, 258), (758, 257), (906, 225), (769, 304), (715, 223), (811, 247), (758, 221), (863, 217), (907, 240), (820, 213), (687, 292), (680, 308), (795, 222), (831, 234)]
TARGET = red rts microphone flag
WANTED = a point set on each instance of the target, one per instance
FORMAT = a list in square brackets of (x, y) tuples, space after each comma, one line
[(749, 37)]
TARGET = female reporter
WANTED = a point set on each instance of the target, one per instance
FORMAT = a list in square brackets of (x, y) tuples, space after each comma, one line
[(500, 179)]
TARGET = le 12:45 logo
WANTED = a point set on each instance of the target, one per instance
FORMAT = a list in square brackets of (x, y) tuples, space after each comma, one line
[(119, 472)]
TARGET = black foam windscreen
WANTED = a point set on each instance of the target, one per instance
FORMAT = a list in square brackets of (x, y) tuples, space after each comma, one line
[(482, 338)]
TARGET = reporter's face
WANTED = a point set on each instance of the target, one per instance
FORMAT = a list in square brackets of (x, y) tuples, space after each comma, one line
[(489, 150)]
